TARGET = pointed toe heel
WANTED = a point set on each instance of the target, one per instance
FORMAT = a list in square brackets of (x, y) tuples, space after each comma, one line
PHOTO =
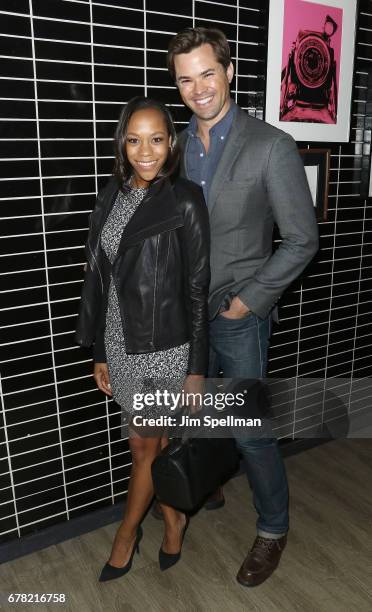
[(109, 572), (166, 560)]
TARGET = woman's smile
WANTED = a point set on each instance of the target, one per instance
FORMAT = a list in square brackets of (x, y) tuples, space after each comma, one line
[(147, 164)]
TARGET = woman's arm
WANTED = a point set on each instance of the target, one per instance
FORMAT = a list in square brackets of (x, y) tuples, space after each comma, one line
[(196, 247), (89, 327), (99, 352)]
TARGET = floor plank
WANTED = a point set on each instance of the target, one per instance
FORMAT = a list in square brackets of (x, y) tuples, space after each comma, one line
[(326, 567)]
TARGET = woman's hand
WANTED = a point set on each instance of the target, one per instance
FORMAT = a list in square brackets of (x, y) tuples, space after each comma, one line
[(101, 376), (193, 389)]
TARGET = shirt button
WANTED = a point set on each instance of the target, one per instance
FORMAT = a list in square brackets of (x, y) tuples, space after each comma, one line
[(203, 182)]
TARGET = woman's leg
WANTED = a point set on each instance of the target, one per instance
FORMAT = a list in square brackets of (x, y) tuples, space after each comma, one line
[(140, 492)]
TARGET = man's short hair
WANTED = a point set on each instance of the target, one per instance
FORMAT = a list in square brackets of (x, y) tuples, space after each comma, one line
[(192, 38)]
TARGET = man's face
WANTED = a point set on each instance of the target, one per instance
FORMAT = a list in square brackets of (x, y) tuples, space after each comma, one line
[(203, 83)]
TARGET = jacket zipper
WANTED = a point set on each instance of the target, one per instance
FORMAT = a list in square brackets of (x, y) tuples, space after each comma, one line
[(155, 286), (95, 261), (99, 239)]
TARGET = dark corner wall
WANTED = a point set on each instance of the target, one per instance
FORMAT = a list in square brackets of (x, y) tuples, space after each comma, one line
[(66, 68)]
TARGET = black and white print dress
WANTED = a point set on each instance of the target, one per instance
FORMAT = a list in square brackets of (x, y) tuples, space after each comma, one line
[(134, 373)]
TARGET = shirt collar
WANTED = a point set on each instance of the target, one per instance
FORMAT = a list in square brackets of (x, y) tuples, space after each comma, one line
[(221, 128)]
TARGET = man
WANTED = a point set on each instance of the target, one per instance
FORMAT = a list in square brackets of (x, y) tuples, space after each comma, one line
[(252, 176)]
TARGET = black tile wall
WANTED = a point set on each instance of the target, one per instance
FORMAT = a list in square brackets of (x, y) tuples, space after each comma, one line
[(66, 67)]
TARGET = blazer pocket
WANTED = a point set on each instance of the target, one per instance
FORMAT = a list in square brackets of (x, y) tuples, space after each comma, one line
[(241, 184)]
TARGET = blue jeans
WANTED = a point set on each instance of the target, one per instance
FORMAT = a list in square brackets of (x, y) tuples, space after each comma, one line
[(239, 348)]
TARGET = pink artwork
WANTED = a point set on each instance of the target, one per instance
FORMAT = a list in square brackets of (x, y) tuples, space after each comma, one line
[(310, 62)]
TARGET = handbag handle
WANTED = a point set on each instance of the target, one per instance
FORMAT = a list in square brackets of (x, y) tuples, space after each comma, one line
[(180, 430)]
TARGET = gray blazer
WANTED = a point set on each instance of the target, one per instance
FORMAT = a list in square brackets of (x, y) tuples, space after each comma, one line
[(260, 180)]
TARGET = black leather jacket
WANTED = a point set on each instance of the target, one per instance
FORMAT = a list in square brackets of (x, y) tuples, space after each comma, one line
[(161, 273)]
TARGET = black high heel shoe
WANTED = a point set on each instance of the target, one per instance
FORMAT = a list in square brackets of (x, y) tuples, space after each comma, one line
[(109, 572), (166, 560)]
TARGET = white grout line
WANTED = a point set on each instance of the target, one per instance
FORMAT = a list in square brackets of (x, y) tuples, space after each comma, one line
[(297, 362), (46, 257), (30, 372), (237, 50), (358, 304), (144, 47), (9, 460), (107, 415), (253, 10), (331, 293)]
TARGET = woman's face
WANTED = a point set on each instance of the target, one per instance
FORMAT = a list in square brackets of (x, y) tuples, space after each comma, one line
[(147, 144)]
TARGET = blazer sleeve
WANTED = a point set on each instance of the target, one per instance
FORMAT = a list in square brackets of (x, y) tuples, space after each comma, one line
[(196, 247), (293, 211)]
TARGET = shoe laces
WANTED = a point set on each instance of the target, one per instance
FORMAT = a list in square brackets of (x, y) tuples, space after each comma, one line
[(263, 544)]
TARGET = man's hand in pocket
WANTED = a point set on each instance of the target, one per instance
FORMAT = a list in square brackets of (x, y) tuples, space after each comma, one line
[(237, 310)]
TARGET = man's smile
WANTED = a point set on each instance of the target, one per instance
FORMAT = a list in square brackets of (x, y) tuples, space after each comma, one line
[(203, 101)]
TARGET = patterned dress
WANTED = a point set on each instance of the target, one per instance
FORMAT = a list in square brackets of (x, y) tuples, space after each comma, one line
[(135, 373)]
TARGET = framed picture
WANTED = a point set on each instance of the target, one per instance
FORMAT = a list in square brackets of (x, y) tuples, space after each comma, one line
[(310, 68), (316, 163)]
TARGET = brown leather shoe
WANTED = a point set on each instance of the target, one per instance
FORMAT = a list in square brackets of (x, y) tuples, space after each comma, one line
[(261, 560)]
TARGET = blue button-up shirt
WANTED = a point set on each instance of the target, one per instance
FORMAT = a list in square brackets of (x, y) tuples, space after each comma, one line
[(201, 166)]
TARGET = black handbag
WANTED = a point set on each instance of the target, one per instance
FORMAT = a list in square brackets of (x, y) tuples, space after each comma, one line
[(191, 468)]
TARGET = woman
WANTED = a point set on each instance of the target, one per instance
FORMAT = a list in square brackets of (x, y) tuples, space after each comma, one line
[(144, 301)]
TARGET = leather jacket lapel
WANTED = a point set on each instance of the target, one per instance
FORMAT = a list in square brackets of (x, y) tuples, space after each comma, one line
[(157, 212)]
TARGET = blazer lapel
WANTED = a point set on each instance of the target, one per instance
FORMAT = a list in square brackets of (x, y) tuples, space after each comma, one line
[(235, 141)]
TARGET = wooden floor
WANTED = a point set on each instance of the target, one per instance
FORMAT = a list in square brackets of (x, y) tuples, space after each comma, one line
[(326, 566)]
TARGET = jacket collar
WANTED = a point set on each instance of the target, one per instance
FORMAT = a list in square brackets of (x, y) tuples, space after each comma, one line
[(157, 210)]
